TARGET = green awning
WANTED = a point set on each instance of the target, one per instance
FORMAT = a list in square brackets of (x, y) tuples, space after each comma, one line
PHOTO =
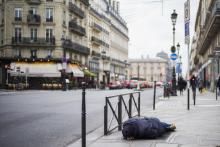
[(89, 73)]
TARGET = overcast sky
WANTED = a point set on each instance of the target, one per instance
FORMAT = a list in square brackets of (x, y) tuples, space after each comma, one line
[(150, 28)]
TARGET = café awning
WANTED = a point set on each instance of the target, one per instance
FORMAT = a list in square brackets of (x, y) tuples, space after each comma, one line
[(38, 69), (73, 68), (89, 73)]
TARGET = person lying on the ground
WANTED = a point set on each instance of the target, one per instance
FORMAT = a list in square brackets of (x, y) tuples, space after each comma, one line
[(145, 128)]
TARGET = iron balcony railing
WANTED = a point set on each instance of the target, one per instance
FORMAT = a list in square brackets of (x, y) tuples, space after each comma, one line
[(50, 19), (96, 41), (74, 27), (68, 44), (33, 41), (86, 2), (33, 19), (94, 53), (75, 9), (97, 27), (18, 18), (34, 2)]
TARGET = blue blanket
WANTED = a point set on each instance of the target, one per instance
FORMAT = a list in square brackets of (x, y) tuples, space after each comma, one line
[(142, 128)]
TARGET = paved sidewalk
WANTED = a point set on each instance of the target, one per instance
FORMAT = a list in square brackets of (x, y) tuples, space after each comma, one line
[(198, 127)]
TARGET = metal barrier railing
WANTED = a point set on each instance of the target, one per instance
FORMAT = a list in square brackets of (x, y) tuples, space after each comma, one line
[(118, 108)]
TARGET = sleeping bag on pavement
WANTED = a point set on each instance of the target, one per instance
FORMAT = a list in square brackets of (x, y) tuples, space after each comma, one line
[(142, 128)]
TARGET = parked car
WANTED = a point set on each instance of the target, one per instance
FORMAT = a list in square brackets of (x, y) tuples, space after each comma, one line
[(115, 85)]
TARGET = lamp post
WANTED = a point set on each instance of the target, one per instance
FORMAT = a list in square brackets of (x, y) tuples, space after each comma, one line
[(173, 50), (178, 55), (103, 76), (64, 66)]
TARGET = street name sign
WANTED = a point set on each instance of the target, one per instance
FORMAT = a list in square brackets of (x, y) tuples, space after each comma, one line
[(187, 20)]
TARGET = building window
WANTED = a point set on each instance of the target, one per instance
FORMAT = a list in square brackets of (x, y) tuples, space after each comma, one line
[(33, 11), (49, 55), (17, 52), (17, 34), (49, 15), (2, 36), (33, 53), (34, 34), (49, 35), (18, 14)]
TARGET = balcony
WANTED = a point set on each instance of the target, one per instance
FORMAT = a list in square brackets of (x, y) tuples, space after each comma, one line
[(97, 27), (86, 2), (50, 19), (96, 41), (33, 19), (211, 27), (18, 18), (76, 28), (33, 2), (75, 9), (96, 54), (68, 44), (28, 41)]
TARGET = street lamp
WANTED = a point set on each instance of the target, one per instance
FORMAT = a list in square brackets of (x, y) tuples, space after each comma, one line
[(103, 76), (64, 65), (173, 50), (178, 55)]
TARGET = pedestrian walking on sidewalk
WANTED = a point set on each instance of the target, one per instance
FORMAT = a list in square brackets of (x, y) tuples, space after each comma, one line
[(218, 85), (145, 128), (181, 85), (200, 86)]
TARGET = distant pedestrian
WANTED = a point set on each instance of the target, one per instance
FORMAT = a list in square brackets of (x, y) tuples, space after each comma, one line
[(200, 86), (218, 85), (181, 85), (193, 83)]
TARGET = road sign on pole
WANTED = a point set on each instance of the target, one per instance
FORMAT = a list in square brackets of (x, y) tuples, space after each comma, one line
[(173, 56), (187, 11), (187, 20)]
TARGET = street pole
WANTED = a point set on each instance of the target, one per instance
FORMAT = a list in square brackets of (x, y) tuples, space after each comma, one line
[(154, 98), (173, 50), (188, 95), (83, 125)]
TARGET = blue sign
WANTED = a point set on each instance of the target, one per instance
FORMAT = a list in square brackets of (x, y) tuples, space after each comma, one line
[(186, 29), (178, 68), (173, 56)]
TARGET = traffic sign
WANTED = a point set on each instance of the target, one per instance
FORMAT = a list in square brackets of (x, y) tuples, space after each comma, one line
[(173, 56), (187, 33), (187, 11)]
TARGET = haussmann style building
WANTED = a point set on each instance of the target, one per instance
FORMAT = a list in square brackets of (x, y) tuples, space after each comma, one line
[(206, 42), (48, 44)]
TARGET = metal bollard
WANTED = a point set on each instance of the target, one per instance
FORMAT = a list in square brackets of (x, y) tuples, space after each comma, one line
[(216, 93), (83, 129), (154, 95), (194, 97), (130, 105), (188, 102), (106, 117), (119, 113), (139, 104)]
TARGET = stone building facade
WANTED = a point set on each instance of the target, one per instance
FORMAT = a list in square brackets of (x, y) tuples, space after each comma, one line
[(45, 41), (149, 69), (207, 32)]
